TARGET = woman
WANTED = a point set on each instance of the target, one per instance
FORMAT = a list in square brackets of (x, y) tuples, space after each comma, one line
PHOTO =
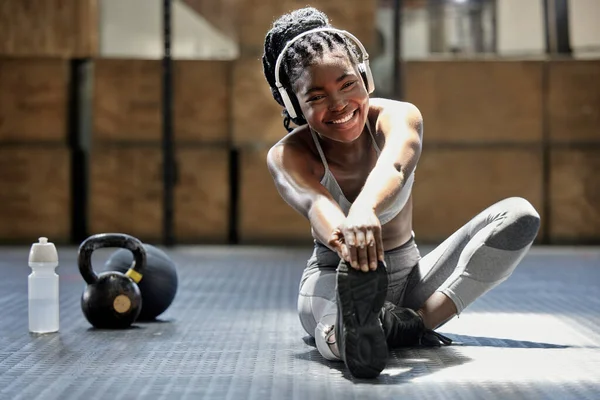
[(349, 167)]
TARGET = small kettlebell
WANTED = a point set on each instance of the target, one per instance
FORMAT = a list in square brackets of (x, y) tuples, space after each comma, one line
[(111, 300)]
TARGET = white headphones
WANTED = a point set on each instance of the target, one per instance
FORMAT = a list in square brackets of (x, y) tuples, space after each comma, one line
[(363, 66)]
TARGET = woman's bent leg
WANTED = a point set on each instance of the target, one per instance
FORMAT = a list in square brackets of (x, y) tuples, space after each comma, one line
[(475, 259)]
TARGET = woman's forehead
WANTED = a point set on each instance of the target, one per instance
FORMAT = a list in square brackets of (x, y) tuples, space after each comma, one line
[(327, 66), (332, 57)]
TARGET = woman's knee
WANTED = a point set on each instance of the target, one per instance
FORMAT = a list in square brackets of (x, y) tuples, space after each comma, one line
[(520, 228), (316, 298), (305, 315)]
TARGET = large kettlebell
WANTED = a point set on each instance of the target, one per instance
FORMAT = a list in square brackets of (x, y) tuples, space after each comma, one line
[(159, 286), (111, 300)]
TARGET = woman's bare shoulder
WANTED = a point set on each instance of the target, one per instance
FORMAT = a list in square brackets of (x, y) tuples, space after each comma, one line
[(386, 115), (387, 112), (297, 140), (296, 146), (379, 105)]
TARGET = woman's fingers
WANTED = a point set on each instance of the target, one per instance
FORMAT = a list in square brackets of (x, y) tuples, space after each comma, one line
[(343, 253), (350, 241), (379, 244), (353, 255), (361, 250), (371, 250), (363, 259), (360, 238)]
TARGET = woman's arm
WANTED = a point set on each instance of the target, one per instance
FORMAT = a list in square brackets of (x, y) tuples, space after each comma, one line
[(301, 189), (402, 126)]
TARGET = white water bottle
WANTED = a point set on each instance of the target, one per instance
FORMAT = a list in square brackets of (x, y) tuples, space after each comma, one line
[(43, 288)]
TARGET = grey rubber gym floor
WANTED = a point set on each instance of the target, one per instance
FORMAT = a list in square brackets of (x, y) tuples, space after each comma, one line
[(233, 333)]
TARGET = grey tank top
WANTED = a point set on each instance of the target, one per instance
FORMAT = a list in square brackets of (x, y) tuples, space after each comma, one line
[(331, 184)]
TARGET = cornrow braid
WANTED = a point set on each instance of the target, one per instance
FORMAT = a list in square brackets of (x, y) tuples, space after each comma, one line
[(302, 52)]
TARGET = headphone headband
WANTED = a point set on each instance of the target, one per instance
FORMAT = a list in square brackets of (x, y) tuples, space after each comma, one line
[(363, 52)]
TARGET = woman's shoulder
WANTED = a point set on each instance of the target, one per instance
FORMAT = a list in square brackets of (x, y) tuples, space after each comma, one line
[(299, 139), (379, 105), (388, 112), (296, 144)]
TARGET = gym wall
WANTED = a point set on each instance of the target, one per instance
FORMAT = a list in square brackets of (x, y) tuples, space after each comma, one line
[(509, 128), (37, 39), (126, 183), (493, 129)]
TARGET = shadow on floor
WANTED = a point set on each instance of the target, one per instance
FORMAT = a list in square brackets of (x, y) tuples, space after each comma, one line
[(402, 366), (481, 341), (407, 364)]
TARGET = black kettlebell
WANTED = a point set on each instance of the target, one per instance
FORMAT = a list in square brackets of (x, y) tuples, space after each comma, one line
[(159, 286), (111, 300)]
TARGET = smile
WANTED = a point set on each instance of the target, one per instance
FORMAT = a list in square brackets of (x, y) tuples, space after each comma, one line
[(343, 119)]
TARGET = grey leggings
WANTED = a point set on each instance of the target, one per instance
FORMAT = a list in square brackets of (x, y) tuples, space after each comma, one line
[(472, 261)]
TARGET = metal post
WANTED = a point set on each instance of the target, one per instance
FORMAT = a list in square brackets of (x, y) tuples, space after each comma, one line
[(556, 32), (493, 6), (397, 67), (79, 143), (556, 27), (167, 125)]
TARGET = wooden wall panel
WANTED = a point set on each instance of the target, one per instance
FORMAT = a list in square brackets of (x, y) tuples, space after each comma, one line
[(88, 28), (574, 100), (125, 191), (202, 101), (35, 195), (202, 195), (33, 99), (127, 100), (264, 217), (477, 101), (256, 115), (56, 28), (575, 195), (452, 186)]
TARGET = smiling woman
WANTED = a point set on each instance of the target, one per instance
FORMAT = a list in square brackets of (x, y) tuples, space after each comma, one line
[(332, 99), (349, 168)]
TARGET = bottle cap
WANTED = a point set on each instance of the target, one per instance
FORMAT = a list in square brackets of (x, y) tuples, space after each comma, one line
[(43, 251)]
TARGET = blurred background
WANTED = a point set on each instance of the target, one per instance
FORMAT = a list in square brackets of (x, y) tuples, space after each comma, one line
[(153, 118)]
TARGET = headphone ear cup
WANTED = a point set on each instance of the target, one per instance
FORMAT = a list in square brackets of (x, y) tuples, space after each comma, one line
[(367, 76), (296, 105), (287, 102), (291, 103)]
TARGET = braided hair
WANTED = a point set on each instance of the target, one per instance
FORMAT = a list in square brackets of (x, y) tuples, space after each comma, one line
[(301, 53)]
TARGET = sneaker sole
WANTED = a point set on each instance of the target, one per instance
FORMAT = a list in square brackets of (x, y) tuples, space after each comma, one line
[(361, 296)]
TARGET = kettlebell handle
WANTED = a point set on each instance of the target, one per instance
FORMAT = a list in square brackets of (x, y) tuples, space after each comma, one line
[(98, 241)]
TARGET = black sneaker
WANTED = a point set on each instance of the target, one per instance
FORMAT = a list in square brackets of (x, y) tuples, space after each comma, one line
[(359, 335), (404, 327)]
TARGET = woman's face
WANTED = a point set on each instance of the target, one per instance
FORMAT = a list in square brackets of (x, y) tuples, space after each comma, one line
[(333, 97)]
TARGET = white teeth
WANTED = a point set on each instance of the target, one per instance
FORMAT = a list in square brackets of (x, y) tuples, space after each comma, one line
[(345, 119)]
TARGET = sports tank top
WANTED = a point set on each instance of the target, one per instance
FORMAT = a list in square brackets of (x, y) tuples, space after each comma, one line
[(332, 186)]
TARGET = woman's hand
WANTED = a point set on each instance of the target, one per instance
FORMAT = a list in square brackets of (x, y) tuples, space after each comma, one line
[(358, 240)]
